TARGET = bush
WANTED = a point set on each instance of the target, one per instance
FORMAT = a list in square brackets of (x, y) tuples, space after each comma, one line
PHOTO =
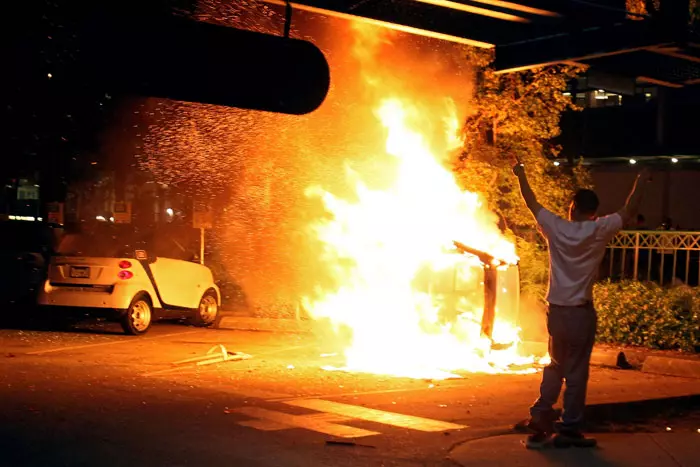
[(645, 314)]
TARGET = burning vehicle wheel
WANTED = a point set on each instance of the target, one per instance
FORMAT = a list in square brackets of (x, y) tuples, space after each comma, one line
[(208, 310), (137, 319)]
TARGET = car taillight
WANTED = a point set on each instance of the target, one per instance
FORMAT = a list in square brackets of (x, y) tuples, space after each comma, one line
[(124, 264), (123, 275)]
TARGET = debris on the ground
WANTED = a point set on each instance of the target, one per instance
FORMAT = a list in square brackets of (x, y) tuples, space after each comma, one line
[(216, 354), (331, 442)]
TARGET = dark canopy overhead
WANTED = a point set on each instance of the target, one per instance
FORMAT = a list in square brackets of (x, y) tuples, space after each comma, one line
[(659, 48)]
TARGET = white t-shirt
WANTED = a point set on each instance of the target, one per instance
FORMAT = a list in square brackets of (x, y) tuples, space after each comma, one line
[(575, 252)]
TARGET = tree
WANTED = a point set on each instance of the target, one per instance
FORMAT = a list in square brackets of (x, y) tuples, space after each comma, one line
[(637, 8), (518, 114)]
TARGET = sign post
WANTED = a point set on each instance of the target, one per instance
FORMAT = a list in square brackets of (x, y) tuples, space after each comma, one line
[(202, 218), (201, 246)]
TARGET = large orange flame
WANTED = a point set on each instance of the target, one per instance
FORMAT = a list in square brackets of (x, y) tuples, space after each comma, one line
[(380, 244)]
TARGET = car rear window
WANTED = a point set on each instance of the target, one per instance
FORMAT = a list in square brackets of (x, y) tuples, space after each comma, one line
[(103, 241), (106, 240)]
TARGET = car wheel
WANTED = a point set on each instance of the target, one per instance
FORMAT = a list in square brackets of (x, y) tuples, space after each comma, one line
[(208, 310), (138, 317)]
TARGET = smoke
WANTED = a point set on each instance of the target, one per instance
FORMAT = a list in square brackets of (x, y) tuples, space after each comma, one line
[(256, 167)]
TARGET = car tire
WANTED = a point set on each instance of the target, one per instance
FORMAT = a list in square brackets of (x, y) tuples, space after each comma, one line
[(138, 317), (207, 312)]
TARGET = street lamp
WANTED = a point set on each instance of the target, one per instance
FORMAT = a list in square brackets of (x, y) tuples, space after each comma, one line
[(633, 161), (674, 160)]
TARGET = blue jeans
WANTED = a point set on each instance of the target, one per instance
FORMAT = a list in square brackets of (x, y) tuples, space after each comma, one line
[(571, 337)]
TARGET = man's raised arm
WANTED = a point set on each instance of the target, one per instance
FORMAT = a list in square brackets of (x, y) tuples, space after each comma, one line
[(629, 210), (525, 189)]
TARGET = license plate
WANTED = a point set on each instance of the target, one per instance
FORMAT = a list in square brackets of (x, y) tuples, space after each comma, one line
[(80, 272)]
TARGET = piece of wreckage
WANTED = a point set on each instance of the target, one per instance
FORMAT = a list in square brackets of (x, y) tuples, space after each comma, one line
[(497, 288)]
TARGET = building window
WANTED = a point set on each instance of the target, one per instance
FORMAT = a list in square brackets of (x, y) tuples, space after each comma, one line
[(603, 98)]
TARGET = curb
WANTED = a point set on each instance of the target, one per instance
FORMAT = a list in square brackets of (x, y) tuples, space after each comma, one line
[(610, 358), (672, 367), (657, 449), (599, 357), (247, 323)]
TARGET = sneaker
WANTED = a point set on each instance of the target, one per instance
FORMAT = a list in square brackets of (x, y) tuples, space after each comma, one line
[(539, 440), (541, 432), (569, 438), (543, 425)]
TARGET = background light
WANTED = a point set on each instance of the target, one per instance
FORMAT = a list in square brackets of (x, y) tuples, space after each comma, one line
[(633, 161), (674, 160), (170, 211), (556, 163)]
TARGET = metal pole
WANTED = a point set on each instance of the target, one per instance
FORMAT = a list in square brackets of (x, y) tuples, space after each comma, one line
[(201, 245), (636, 257)]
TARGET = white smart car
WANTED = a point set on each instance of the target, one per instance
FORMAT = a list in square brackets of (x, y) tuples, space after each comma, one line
[(104, 272)]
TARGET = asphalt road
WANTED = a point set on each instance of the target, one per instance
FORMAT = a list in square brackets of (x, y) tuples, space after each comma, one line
[(93, 396)]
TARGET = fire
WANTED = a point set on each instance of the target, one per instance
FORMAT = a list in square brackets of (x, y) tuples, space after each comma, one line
[(389, 248), (381, 242)]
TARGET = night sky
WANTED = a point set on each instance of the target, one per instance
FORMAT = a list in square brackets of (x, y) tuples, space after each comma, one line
[(54, 112)]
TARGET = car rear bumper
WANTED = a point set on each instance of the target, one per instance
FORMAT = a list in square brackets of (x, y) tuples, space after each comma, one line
[(111, 297)]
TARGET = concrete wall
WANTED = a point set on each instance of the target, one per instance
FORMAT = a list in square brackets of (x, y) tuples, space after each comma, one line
[(612, 183)]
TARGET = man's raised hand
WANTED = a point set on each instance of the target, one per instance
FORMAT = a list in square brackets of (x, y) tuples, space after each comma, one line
[(518, 166)]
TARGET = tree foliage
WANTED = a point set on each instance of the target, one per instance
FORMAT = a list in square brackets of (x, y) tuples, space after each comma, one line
[(652, 8), (517, 114)]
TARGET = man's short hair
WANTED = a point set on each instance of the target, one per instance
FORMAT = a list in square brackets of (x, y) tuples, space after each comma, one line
[(586, 201)]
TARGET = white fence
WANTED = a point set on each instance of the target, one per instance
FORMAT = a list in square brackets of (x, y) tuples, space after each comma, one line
[(651, 255)]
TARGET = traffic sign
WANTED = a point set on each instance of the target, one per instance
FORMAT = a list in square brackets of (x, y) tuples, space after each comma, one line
[(55, 213), (122, 212), (202, 217)]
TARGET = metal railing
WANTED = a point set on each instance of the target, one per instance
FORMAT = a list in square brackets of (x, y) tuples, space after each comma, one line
[(653, 255)]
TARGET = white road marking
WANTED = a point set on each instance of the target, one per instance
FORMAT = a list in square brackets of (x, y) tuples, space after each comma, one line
[(268, 425), (101, 344), (378, 416), (301, 421), (461, 383), (264, 425)]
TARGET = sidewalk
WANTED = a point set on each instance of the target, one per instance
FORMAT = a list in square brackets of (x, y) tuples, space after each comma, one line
[(614, 450)]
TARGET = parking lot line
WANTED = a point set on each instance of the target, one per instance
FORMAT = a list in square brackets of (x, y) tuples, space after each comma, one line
[(131, 340), (300, 421), (369, 393), (377, 416)]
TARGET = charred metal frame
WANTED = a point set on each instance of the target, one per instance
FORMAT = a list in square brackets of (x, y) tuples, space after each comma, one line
[(490, 265)]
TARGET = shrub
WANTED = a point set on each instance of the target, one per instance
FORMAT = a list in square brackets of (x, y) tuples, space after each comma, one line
[(645, 314)]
